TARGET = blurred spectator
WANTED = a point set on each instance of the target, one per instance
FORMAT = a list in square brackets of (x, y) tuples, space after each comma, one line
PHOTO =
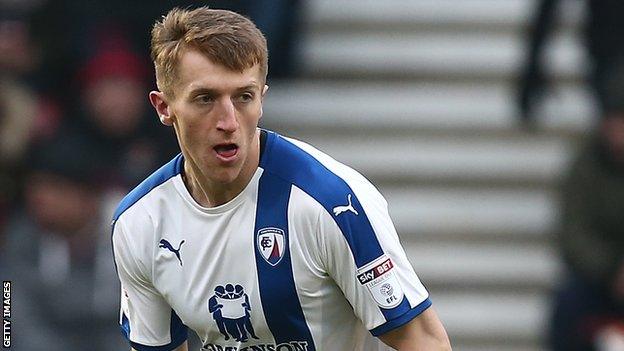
[(19, 104), (114, 113), (589, 306), (17, 115), (280, 22), (67, 31), (603, 32), (108, 43), (59, 257)]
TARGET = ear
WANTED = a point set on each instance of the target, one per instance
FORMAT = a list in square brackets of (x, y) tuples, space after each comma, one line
[(158, 100), (264, 91)]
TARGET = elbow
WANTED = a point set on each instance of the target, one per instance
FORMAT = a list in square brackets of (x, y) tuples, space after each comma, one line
[(441, 343), (438, 341)]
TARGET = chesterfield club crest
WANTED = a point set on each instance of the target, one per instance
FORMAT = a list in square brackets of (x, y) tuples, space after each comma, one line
[(271, 243)]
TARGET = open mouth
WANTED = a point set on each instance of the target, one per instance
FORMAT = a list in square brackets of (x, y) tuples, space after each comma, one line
[(226, 151)]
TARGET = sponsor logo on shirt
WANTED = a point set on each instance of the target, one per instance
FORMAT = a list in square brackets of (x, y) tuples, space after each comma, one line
[(381, 281), (271, 242), (231, 311), (286, 346)]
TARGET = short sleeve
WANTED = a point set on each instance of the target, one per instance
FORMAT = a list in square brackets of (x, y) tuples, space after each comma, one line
[(364, 256), (146, 319)]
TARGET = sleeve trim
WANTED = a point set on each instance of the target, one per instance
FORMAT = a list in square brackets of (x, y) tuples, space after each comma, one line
[(401, 320), (169, 347), (179, 334)]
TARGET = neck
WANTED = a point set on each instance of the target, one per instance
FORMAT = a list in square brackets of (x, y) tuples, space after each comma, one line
[(210, 193)]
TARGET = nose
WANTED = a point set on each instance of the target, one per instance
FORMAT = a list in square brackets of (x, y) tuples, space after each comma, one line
[(227, 121)]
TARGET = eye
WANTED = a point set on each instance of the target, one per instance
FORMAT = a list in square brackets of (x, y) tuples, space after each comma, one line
[(246, 97), (204, 99)]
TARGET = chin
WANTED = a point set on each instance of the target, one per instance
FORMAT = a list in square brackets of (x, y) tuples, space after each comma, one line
[(227, 176)]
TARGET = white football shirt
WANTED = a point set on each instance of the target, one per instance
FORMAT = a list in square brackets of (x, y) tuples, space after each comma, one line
[(305, 258)]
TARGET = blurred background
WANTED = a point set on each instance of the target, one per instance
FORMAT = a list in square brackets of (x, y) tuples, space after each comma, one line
[(495, 129)]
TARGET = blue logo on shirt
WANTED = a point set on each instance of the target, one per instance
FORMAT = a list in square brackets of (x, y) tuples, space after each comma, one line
[(164, 244), (230, 309)]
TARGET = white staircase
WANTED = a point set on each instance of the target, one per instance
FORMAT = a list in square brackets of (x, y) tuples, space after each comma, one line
[(418, 96)]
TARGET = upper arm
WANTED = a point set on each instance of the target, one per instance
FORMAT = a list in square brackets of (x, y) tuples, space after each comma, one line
[(425, 332), (145, 316), (364, 256)]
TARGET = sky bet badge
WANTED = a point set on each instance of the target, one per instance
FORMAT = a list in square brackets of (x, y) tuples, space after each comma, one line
[(271, 244), (378, 276)]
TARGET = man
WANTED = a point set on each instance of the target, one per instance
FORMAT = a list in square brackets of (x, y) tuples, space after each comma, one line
[(58, 253), (588, 304), (307, 239)]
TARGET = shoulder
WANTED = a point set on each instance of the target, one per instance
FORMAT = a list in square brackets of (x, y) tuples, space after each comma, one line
[(352, 208), (319, 175), (133, 225), (159, 177), (135, 215)]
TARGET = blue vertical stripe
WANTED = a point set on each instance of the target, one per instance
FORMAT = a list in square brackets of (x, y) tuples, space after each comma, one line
[(282, 309)]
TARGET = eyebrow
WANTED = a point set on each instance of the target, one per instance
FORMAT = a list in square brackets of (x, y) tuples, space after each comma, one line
[(211, 91), (248, 87)]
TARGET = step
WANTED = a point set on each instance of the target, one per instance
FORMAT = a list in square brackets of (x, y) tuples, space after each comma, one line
[(431, 54), (387, 157), (508, 318), (494, 13), (494, 212), (362, 106), (498, 264)]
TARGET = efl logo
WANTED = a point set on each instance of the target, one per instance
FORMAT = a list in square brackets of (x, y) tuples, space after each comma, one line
[(378, 276)]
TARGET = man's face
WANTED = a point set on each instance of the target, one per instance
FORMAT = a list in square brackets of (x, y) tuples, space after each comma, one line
[(115, 104), (59, 204), (215, 113)]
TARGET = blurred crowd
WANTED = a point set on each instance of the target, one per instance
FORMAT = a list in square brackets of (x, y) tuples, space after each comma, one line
[(77, 133), (588, 301)]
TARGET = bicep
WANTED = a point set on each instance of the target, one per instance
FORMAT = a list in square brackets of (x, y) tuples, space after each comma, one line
[(424, 332), (145, 317)]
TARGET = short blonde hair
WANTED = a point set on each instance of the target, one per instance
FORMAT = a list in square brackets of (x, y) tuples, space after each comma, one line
[(225, 37)]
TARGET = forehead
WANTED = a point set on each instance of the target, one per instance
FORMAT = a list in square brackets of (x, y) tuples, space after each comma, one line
[(196, 71)]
